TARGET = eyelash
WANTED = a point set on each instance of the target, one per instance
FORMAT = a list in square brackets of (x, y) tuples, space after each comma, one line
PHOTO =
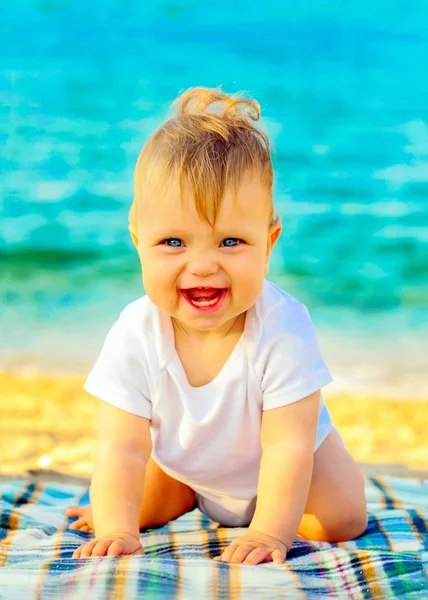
[(164, 242)]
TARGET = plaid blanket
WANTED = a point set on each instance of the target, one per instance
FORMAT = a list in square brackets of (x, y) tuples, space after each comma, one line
[(389, 561)]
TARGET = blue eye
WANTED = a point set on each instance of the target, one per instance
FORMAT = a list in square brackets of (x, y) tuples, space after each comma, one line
[(231, 242), (173, 242)]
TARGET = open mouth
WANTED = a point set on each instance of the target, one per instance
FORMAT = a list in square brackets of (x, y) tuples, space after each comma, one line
[(206, 299)]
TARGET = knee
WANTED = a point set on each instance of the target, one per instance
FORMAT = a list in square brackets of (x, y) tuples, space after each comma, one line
[(338, 524), (165, 498), (349, 525)]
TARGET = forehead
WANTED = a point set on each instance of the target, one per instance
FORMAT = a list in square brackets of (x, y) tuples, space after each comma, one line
[(250, 203)]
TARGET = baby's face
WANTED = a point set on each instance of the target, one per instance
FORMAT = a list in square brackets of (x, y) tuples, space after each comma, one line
[(204, 277)]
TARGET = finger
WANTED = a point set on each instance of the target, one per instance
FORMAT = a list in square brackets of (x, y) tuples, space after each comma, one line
[(101, 548), (227, 554), (116, 548), (86, 528), (241, 553), (87, 549), (77, 552), (278, 557), (78, 524), (74, 511), (257, 555)]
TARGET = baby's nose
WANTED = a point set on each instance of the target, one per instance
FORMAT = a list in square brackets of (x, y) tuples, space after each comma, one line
[(202, 265)]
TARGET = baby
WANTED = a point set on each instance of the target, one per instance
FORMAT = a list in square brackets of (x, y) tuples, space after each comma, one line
[(210, 383)]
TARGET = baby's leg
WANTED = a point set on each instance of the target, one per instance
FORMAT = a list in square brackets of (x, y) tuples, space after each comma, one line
[(164, 499), (336, 507)]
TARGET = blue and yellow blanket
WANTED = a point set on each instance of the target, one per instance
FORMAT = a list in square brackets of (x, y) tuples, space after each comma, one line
[(389, 561)]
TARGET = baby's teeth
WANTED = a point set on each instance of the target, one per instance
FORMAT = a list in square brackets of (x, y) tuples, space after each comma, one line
[(205, 302)]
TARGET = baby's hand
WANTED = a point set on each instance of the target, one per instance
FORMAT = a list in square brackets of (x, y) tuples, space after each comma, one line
[(110, 545), (254, 548)]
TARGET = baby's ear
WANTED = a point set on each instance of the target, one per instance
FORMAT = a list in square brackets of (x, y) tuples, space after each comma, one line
[(274, 233), (134, 235)]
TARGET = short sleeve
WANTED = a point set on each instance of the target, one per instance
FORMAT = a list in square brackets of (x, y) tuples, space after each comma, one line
[(119, 374), (293, 366)]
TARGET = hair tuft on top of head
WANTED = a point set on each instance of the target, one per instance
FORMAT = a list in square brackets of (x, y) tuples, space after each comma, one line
[(202, 100), (209, 143)]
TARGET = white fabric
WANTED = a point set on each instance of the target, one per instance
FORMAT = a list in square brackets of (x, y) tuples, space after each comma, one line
[(209, 437)]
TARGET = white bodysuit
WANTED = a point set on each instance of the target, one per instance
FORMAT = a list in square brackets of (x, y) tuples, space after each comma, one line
[(209, 437)]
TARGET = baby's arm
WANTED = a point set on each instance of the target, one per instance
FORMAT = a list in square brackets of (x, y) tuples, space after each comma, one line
[(123, 449), (288, 436)]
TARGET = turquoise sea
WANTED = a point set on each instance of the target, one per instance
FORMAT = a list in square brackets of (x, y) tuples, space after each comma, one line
[(344, 95)]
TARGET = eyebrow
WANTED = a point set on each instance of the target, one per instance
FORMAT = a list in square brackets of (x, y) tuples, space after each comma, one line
[(164, 232), (236, 231)]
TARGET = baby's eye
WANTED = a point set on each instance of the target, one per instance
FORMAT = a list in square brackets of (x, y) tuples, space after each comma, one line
[(231, 242), (172, 242)]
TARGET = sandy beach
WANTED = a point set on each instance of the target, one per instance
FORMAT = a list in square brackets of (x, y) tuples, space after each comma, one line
[(48, 421)]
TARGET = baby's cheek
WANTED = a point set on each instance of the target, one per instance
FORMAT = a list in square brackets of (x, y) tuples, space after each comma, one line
[(251, 278), (161, 290)]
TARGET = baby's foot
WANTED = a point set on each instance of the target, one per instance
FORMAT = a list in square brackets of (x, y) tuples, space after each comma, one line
[(84, 522)]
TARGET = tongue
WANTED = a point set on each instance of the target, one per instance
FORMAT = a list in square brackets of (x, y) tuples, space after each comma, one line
[(204, 294)]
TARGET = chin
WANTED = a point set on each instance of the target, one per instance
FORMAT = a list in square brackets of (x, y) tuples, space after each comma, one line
[(204, 323)]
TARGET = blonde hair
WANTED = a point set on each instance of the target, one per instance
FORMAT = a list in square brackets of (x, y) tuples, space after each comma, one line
[(209, 143)]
